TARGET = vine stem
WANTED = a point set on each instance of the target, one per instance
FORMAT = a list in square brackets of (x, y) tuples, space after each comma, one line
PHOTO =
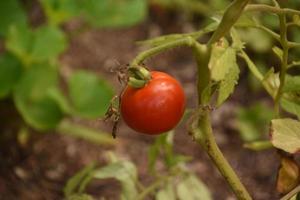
[(284, 61), (204, 136), (272, 9), (156, 184)]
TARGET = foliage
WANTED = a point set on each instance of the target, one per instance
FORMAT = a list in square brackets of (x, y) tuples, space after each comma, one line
[(177, 183), (30, 67)]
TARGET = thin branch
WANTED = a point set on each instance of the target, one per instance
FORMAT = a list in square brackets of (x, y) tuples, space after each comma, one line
[(271, 9), (293, 64), (267, 30)]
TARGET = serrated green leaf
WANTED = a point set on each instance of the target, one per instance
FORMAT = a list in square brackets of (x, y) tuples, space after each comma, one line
[(166, 193), (285, 134), (227, 85), (75, 181), (237, 43), (11, 14), (31, 97), (221, 62), (10, 72), (49, 42), (117, 13), (89, 94), (125, 172), (191, 188)]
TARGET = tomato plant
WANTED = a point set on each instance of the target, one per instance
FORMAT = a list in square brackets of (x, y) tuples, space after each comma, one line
[(155, 108)]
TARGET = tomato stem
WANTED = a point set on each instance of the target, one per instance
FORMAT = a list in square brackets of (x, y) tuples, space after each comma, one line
[(138, 77), (204, 136)]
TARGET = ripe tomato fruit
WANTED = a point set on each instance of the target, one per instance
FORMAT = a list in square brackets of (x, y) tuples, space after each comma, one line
[(155, 108)]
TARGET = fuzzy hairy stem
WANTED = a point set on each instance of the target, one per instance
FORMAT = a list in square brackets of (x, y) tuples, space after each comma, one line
[(204, 136)]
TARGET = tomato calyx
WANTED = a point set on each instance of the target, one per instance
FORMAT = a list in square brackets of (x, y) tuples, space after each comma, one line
[(138, 77)]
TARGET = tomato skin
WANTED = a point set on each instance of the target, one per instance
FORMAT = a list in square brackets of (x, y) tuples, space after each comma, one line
[(155, 108)]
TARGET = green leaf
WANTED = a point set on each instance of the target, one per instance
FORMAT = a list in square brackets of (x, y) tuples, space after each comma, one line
[(125, 172), (228, 83), (49, 42), (291, 104), (10, 72), (60, 11), (230, 16), (31, 97), (252, 122), (237, 43), (11, 13), (75, 181), (89, 94), (57, 95), (43, 44), (117, 13), (19, 42), (222, 59), (191, 188), (167, 193), (292, 84), (285, 134)]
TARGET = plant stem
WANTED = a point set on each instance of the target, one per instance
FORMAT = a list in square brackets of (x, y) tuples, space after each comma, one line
[(259, 145), (289, 195), (272, 9), (92, 135), (284, 62), (156, 184), (188, 41), (263, 28), (205, 138)]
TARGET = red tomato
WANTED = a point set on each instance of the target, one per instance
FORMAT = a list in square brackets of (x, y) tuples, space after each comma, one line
[(155, 108)]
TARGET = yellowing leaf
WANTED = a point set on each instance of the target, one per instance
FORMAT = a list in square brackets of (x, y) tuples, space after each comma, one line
[(288, 175), (285, 134)]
